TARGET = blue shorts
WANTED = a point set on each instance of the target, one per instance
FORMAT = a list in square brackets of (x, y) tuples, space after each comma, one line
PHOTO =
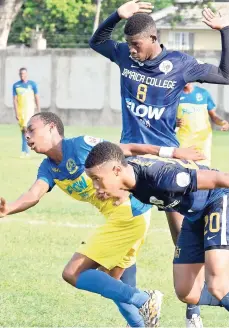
[(209, 232)]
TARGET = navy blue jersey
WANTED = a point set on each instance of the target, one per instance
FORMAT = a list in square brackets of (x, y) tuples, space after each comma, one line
[(171, 184), (150, 90)]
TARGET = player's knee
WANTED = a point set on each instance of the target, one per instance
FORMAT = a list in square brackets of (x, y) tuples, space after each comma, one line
[(215, 286), (70, 275), (186, 295)]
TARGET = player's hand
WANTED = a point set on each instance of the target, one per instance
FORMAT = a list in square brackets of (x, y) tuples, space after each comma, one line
[(225, 126), (180, 122), (3, 208), (130, 8), (16, 116), (215, 21), (189, 153)]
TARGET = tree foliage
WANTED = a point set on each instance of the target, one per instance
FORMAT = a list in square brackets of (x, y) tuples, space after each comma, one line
[(69, 23), (65, 23)]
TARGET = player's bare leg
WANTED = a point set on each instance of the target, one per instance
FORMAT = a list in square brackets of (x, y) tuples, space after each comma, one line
[(188, 281), (175, 220), (78, 263), (217, 274)]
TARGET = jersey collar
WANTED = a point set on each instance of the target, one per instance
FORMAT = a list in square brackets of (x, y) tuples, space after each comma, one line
[(157, 59)]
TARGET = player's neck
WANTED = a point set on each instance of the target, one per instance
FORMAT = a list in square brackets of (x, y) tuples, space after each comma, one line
[(156, 51), (24, 81), (55, 153), (129, 181)]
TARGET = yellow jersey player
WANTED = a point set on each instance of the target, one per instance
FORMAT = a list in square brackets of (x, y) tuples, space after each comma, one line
[(115, 244), (25, 96), (195, 112)]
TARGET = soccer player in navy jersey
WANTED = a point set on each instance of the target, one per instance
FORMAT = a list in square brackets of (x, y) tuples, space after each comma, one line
[(197, 192), (152, 79)]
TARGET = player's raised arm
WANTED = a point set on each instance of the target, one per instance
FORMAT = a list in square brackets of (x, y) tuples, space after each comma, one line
[(208, 73), (180, 153), (25, 201), (212, 179), (101, 40)]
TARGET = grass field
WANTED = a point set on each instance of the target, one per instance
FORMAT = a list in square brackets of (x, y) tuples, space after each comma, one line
[(35, 245)]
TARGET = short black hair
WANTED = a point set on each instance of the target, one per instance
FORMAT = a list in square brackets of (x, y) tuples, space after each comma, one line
[(22, 69), (139, 23), (105, 152), (48, 118)]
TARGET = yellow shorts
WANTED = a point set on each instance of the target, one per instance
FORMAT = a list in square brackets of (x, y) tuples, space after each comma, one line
[(117, 242), (24, 117)]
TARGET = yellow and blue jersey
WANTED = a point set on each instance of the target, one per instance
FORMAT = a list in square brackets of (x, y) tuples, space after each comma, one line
[(25, 92), (193, 109), (70, 176)]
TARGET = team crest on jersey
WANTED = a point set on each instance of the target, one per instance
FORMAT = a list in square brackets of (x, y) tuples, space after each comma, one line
[(30, 87), (92, 141), (157, 202), (199, 97), (71, 166), (166, 66)]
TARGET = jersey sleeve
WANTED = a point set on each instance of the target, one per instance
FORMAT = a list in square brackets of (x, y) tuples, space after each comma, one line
[(194, 70), (14, 90), (210, 102), (83, 145), (45, 174), (35, 89), (102, 42), (172, 178)]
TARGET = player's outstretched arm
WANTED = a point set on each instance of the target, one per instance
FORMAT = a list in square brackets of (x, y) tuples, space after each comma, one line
[(180, 153), (25, 201), (101, 40), (206, 72), (221, 23), (212, 179)]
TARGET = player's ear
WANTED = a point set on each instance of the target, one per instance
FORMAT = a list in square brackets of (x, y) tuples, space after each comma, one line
[(153, 38), (117, 170), (51, 126)]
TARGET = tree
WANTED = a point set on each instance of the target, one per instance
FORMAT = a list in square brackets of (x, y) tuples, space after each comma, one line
[(65, 23), (8, 11)]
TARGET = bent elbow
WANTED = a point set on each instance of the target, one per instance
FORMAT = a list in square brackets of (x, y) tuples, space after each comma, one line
[(92, 42)]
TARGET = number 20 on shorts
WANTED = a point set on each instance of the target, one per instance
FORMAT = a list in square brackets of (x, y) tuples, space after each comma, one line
[(212, 223)]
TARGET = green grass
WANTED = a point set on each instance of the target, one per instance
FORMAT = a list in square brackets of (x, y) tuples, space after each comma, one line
[(33, 255)]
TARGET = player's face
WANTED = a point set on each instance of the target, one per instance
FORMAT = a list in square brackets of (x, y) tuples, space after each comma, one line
[(38, 135), (141, 47), (106, 178), (23, 75)]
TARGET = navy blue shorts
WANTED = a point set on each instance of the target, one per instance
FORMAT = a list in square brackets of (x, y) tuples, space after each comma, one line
[(209, 232)]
